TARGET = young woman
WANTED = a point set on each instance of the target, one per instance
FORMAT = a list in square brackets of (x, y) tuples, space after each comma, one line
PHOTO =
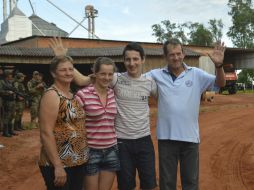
[(98, 101), (64, 146)]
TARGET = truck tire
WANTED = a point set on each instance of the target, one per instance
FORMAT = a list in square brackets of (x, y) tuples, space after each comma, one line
[(232, 90)]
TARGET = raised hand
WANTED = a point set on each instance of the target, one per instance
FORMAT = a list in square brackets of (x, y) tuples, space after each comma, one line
[(217, 56), (57, 46)]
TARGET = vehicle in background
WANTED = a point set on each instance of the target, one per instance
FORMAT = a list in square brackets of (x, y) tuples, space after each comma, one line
[(231, 79)]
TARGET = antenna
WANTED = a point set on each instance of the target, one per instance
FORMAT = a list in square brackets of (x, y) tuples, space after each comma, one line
[(4, 10), (70, 17), (91, 13)]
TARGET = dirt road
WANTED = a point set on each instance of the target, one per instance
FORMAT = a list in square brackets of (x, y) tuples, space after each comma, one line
[(226, 150)]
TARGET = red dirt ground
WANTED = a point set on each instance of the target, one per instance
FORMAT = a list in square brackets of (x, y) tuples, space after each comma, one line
[(226, 149)]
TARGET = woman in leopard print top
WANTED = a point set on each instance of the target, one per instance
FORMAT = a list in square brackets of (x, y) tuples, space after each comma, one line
[(64, 148)]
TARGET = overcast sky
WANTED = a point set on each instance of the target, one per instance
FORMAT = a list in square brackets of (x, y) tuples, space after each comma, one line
[(129, 20)]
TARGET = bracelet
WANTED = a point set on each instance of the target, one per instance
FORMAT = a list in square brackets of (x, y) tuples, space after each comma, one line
[(219, 66)]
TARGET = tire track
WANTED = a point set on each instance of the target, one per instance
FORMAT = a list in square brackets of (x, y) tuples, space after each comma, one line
[(228, 165)]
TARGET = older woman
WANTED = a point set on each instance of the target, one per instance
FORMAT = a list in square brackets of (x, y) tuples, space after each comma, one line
[(64, 147)]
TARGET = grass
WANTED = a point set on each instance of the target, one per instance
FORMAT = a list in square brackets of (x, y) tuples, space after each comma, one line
[(249, 91)]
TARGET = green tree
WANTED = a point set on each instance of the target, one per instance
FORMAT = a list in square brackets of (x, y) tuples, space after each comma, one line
[(188, 32), (215, 27), (242, 31), (167, 30), (199, 35), (246, 76)]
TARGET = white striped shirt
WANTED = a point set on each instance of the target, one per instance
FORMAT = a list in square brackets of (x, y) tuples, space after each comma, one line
[(99, 119), (132, 95)]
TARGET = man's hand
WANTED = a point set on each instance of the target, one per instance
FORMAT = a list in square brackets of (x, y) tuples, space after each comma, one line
[(217, 56), (57, 46)]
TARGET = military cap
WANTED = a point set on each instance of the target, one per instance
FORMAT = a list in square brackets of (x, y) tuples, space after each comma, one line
[(36, 73), (7, 72), (20, 75)]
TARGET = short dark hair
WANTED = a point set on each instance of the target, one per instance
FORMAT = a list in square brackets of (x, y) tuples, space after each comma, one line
[(103, 61), (134, 46), (57, 60), (173, 42)]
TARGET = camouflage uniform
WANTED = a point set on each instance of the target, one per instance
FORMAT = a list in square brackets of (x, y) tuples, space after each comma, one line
[(1, 114), (20, 101), (1, 104), (8, 101), (35, 89)]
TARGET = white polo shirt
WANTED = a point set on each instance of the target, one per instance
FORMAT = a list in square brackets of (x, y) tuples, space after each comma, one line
[(179, 101)]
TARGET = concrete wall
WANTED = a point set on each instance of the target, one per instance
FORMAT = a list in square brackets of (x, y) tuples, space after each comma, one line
[(206, 64)]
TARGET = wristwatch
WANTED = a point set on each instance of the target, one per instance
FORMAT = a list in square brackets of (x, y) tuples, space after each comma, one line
[(219, 66)]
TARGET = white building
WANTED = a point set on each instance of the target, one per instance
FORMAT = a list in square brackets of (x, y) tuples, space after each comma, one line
[(16, 26)]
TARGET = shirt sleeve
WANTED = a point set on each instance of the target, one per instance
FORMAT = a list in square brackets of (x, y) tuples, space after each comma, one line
[(148, 74), (114, 81), (79, 96), (207, 81)]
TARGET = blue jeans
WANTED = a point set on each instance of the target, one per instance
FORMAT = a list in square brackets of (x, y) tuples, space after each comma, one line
[(74, 178), (136, 154), (187, 153), (102, 159)]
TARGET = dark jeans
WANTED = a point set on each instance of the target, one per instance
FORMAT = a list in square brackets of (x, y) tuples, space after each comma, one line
[(172, 152), (136, 154), (74, 181)]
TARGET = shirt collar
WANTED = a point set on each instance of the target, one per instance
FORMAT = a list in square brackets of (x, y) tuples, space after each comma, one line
[(92, 89), (186, 67)]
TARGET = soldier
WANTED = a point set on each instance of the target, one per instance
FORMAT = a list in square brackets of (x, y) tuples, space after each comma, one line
[(20, 101), (8, 97), (35, 88), (1, 103)]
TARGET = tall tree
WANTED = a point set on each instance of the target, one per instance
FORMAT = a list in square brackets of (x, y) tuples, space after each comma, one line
[(246, 76), (242, 31), (215, 27), (199, 35), (188, 32), (167, 30)]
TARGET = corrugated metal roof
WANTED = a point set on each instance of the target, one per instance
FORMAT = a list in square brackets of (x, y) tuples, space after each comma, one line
[(49, 29), (80, 52)]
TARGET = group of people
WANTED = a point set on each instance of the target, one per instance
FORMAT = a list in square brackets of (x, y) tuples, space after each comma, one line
[(15, 95), (103, 130)]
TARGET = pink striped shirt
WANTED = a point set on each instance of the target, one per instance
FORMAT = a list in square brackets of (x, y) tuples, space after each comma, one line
[(99, 119)]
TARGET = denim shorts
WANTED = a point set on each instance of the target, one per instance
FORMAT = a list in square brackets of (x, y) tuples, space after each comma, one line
[(102, 159), (136, 154)]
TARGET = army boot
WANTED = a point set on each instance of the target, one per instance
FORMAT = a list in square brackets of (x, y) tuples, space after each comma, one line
[(5, 131), (20, 128), (10, 130), (20, 125), (16, 126)]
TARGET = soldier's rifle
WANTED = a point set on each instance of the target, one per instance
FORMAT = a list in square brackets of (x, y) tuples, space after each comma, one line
[(14, 90)]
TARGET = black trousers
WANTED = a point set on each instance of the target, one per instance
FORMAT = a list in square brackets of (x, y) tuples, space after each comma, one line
[(75, 176), (187, 155)]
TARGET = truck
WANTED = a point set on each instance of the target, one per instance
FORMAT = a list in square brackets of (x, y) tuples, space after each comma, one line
[(231, 79)]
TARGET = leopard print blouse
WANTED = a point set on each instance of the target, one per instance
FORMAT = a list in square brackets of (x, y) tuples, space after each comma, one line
[(70, 134)]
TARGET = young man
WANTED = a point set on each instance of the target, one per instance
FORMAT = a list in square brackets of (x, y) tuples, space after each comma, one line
[(132, 91), (179, 91), (136, 149)]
